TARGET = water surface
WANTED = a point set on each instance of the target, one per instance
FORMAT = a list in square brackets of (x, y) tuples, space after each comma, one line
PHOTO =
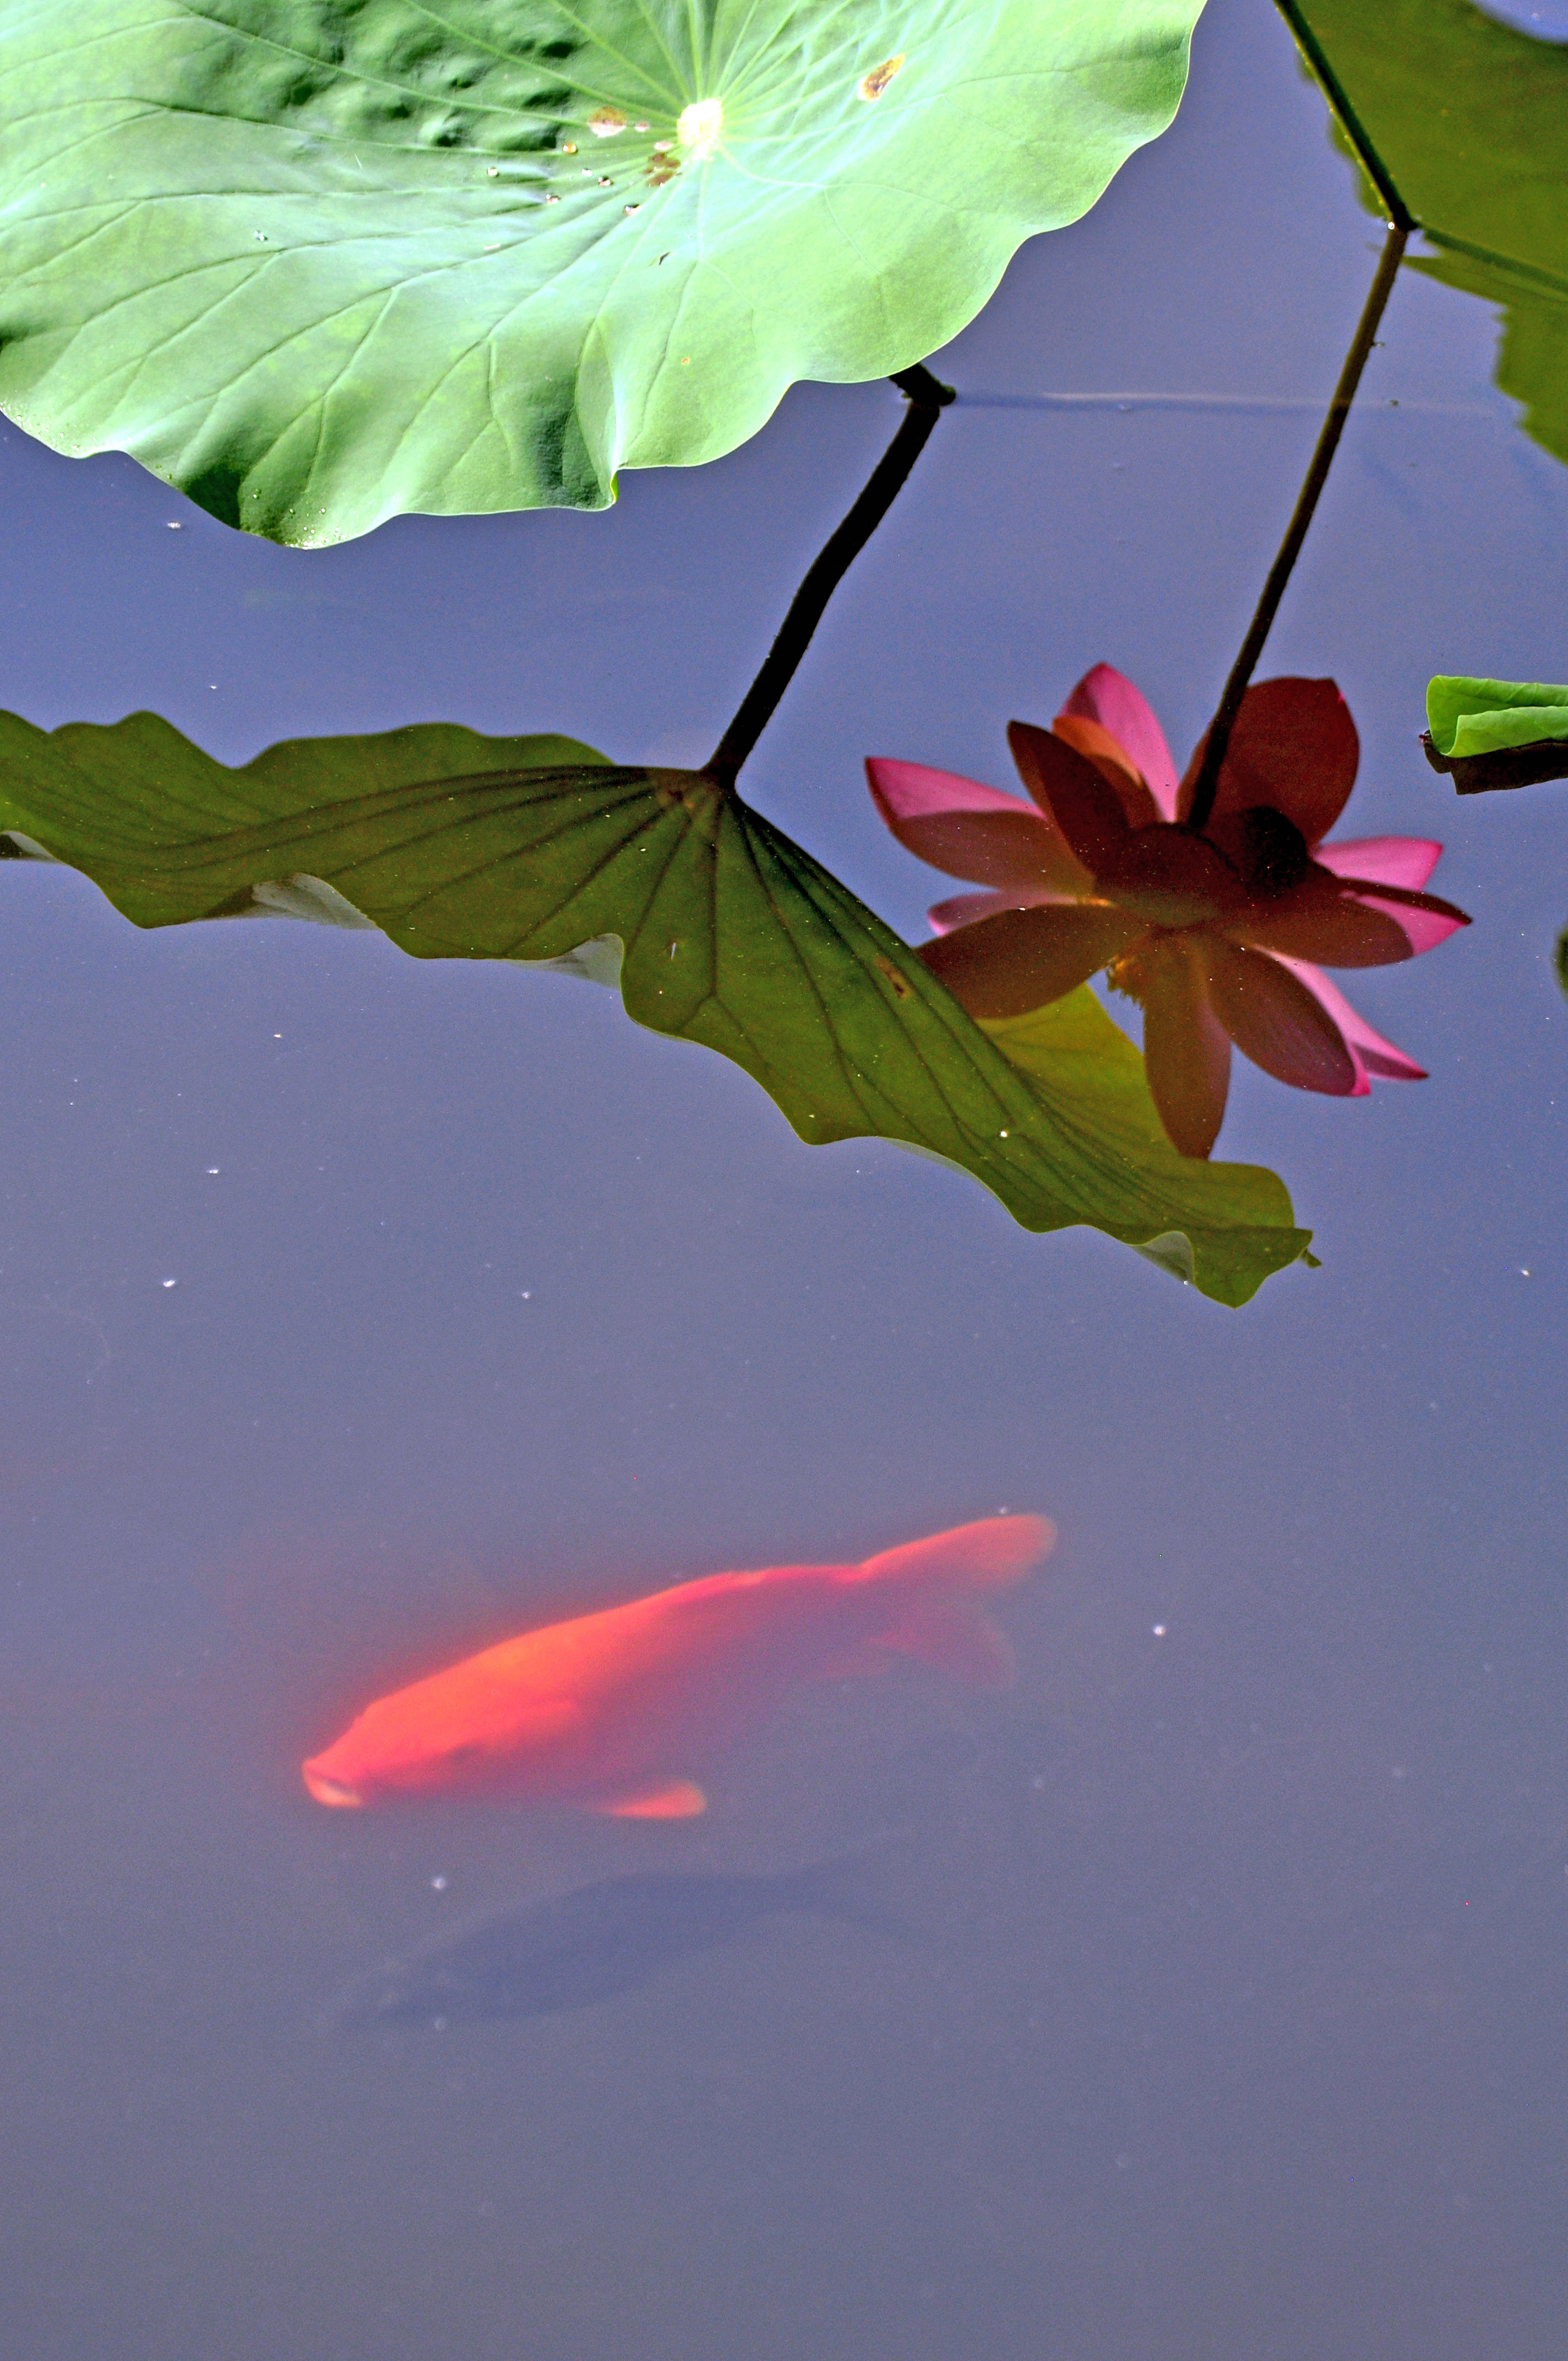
[(358, 1312)]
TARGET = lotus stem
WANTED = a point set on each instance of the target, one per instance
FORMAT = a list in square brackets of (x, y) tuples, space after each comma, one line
[(1219, 738), (928, 398), (1355, 130)]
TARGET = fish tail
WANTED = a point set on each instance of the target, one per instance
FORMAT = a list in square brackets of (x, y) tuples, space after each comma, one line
[(938, 1618)]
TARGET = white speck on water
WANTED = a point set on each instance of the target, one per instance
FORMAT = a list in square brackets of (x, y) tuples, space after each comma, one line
[(170, 1282), (175, 526), (525, 1293), (438, 1884), (213, 1171), (1159, 1630)]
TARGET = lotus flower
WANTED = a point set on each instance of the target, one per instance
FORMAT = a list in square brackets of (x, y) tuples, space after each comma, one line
[(1213, 930)]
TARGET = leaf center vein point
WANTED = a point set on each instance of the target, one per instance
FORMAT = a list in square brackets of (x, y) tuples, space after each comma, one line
[(700, 126)]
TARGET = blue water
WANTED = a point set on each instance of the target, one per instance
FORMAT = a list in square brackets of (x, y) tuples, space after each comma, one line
[(1545, 20), (1200, 1997)]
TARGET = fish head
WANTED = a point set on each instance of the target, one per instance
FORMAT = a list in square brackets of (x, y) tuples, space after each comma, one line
[(328, 1789), (401, 1746)]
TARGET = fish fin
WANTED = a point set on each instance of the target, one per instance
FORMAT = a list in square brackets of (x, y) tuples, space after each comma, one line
[(983, 1556), (956, 1636), (673, 1799)]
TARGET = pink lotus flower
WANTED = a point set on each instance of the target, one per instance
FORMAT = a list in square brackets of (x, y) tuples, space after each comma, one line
[(1213, 930)]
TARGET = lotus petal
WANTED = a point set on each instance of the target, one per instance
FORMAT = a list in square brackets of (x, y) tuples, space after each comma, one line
[(1066, 786), (1388, 860), (971, 830), (1322, 920), (1171, 877), (1277, 1022), (1294, 746), (1108, 697), (1097, 746), (1022, 958), (1369, 1049), (965, 909), (1426, 919), (1187, 1052)]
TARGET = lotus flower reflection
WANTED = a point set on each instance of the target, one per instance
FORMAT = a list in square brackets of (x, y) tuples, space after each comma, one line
[(1220, 933)]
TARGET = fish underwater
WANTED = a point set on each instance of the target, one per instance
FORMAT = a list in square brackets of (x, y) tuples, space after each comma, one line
[(572, 1950), (612, 1711)]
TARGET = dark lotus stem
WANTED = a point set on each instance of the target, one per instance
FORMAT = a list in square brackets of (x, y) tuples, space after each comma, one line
[(1207, 782), (928, 398), (1372, 164)]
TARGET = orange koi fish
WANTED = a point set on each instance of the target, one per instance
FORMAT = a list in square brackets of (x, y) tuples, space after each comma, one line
[(610, 1711)]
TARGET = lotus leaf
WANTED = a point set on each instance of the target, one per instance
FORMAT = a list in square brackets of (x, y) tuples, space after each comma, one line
[(719, 929), (1463, 119), (318, 262), (1496, 733)]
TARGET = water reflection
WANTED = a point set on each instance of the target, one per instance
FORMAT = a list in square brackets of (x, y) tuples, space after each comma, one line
[(717, 929), (1543, 20), (572, 1950), (1459, 120), (1213, 926), (611, 1711)]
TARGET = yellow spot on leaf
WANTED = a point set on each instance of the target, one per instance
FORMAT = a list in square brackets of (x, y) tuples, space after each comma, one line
[(901, 984), (873, 85), (700, 126), (606, 121)]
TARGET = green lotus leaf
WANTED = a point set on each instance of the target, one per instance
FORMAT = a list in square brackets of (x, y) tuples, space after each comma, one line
[(1496, 733), (1467, 122), (719, 929), (1478, 717), (318, 262)]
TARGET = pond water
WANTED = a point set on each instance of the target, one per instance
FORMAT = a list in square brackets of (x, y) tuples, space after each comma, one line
[(1201, 1993)]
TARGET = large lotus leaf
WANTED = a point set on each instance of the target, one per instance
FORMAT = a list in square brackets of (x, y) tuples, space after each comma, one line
[(724, 932), (1467, 120), (320, 261)]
